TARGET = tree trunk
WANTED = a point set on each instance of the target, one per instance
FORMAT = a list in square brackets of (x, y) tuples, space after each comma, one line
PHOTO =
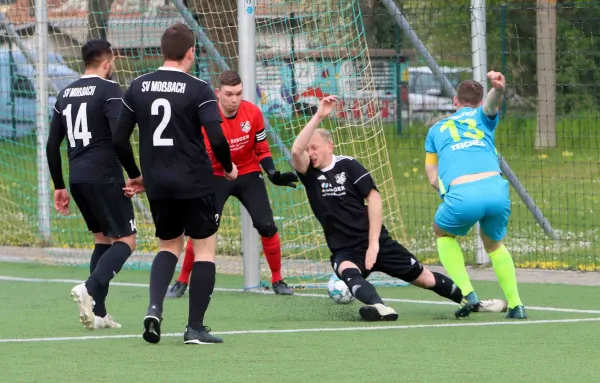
[(98, 14), (218, 18), (367, 8), (546, 74)]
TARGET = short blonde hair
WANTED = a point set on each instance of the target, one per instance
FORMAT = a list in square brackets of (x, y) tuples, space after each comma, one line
[(325, 134)]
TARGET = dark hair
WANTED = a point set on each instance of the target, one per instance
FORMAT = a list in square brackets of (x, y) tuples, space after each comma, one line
[(176, 41), (94, 52), (469, 92), (229, 78)]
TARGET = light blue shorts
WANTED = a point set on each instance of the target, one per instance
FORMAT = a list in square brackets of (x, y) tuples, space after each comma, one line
[(486, 201)]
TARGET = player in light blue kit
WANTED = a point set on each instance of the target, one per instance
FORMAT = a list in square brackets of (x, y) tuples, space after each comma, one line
[(462, 164)]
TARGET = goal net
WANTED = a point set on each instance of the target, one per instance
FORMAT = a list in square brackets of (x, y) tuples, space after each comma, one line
[(306, 49)]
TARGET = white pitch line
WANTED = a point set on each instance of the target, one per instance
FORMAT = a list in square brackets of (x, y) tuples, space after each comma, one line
[(308, 330), (426, 302), (397, 300)]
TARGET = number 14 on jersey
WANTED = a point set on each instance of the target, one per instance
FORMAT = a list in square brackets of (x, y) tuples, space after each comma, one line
[(80, 130)]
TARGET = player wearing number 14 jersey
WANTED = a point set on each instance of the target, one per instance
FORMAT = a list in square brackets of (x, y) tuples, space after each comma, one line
[(85, 112), (462, 164)]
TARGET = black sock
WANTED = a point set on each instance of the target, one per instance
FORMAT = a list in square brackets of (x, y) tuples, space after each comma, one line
[(202, 284), (99, 249), (445, 287), (100, 301), (99, 306), (163, 268), (359, 287), (108, 266)]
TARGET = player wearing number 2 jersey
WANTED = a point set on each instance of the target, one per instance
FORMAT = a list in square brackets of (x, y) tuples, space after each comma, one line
[(462, 164), (170, 107), (85, 112)]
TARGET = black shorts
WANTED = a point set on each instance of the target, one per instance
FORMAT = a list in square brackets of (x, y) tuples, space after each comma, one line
[(393, 259), (105, 208), (195, 217), (251, 191)]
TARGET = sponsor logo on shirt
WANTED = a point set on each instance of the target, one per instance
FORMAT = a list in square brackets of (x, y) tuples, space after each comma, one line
[(245, 126)]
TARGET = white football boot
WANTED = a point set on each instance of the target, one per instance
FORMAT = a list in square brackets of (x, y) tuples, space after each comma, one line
[(107, 322), (80, 295)]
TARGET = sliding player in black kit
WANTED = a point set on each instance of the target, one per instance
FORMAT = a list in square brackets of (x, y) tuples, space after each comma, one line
[(337, 187), (86, 111), (170, 107)]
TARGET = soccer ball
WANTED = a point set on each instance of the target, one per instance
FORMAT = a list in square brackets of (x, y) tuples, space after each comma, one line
[(338, 291)]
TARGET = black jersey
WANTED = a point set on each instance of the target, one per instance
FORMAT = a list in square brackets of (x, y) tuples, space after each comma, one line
[(337, 198), (83, 113), (170, 107)]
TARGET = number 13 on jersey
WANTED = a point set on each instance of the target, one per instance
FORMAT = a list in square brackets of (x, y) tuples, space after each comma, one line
[(471, 132)]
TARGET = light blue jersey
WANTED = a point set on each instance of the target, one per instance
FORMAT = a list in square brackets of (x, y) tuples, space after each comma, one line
[(464, 144)]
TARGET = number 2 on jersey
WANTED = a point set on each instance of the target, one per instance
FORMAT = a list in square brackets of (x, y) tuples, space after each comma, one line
[(157, 140), (80, 130), (455, 134)]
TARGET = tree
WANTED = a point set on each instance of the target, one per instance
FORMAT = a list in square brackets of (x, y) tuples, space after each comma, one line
[(218, 18), (98, 14), (367, 8)]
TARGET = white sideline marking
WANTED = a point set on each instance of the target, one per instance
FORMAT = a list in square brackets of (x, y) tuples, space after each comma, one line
[(398, 300), (323, 329)]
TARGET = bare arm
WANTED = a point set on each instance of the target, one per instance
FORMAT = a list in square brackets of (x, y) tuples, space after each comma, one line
[(432, 176), (494, 98), (300, 157), (431, 168), (375, 216)]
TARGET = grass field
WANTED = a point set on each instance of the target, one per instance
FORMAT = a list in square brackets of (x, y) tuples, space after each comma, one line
[(564, 182), (293, 339)]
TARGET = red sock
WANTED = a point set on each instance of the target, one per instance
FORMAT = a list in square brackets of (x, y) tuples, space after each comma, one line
[(188, 263), (272, 249)]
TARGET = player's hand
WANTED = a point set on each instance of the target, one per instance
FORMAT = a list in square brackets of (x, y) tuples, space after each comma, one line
[(371, 256), (61, 201), (326, 106), (283, 179), (233, 174), (134, 186), (497, 80)]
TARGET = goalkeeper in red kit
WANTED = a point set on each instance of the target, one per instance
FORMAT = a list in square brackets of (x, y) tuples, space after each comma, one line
[(244, 129)]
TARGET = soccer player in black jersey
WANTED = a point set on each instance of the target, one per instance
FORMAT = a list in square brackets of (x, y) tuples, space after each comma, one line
[(170, 107), (86, 112), (336, 187)]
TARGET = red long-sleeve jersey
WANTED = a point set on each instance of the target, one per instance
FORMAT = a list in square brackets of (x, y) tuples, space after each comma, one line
[(247, 139)]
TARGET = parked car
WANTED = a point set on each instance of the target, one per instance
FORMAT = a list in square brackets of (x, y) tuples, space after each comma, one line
[(18, 107), (425, 98)]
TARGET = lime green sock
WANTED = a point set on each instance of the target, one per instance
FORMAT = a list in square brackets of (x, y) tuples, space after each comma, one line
[(453, 261), (505, 271)]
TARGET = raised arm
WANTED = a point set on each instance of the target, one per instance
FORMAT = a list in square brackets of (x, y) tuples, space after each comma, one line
[(493, 101), (300, 157)]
